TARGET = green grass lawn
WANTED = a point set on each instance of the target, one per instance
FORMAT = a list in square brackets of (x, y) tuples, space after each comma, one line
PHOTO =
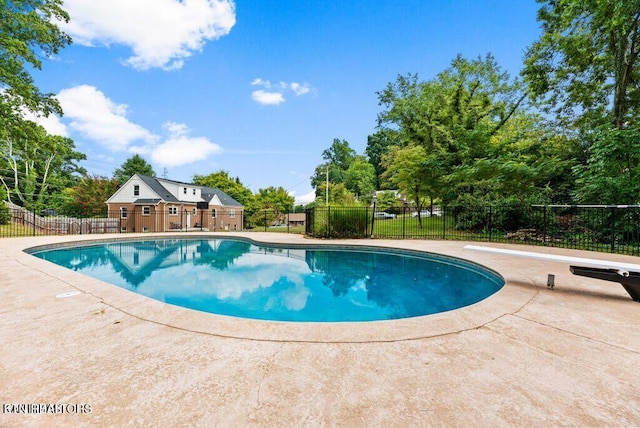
[(409, 226), (291, 229), (12, 230)]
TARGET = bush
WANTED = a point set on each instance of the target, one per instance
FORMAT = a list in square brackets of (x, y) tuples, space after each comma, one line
[(341, 222)]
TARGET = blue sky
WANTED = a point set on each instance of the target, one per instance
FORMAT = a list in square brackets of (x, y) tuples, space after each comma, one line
[(255, 87)]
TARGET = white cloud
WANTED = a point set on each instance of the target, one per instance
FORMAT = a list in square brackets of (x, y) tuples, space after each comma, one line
[(300, 89), (180, 149), (161, 33), (274, 97), (306, 198), (96, 117), (267, 98), (52, 123), (259, 82)]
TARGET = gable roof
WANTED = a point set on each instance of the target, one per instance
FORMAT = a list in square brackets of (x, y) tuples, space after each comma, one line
[(207, 193), (158, 188)]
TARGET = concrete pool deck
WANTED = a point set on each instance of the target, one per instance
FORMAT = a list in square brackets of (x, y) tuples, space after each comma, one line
[(526, 356)]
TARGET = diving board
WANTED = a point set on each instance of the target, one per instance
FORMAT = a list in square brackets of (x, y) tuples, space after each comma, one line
[(627, 274)]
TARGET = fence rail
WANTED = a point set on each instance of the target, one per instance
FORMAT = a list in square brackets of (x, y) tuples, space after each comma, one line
[(609, 228)]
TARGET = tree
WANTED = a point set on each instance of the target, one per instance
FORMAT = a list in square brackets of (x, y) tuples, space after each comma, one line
[(386, 200), (412, 172), (89, 195), (450, 118), (612, 173), (136, 164), (28, 34), (337, 158), (37, 165), (231, 186), (270, 204), (378, 145), (360, 178), (585, 64), (338, 195), (526, 160)]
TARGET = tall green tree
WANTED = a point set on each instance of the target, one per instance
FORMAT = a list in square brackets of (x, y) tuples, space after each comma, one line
[(231, 186), (526, 161), (413, 173), (446, 123), (337, 159), (585, 65), (136, 164), (27, 35), (585, 70), (34, 166), (360, 178), (378, 145)]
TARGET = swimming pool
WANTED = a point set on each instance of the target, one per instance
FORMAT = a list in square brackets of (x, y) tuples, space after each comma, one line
[(302, 283)]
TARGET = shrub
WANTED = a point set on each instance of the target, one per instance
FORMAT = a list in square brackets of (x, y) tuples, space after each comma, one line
[(341, 222)]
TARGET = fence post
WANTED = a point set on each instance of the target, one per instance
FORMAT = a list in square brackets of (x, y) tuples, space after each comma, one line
[(328, 221), (373, 216), (34, 222), (288, 221), (490, 221), (265, 220), (404, 215), (444, 223), (613, 229), (544, 226)]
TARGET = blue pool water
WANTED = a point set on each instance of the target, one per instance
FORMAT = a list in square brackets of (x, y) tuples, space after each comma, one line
[(237, 278)]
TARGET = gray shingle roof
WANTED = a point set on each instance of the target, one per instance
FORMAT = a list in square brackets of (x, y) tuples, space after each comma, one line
[(226, 200), (207, 192), (158, 188)]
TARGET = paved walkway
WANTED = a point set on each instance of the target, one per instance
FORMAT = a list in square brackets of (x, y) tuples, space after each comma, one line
[(526, 356)]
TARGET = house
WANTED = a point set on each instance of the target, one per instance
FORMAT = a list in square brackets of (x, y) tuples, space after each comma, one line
[(296, 219), (152, 204)]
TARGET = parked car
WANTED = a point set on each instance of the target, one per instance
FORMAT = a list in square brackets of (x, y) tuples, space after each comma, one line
[(427, 213), (384, 215)]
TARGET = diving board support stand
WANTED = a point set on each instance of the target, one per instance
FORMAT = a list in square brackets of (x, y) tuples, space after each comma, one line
[(627, 274), (631, 282)]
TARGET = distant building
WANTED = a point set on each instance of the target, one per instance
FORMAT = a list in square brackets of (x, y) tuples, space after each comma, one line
[(151, 204)]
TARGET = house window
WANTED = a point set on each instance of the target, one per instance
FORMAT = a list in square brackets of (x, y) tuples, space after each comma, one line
[(194, 191), (123, 212), (232, 213), (146, 210), (123, 229), (136, 190), (213, 213), (185, 191), (173, 210)]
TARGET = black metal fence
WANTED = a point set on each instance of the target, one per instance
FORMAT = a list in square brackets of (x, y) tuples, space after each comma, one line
[(610, 228)]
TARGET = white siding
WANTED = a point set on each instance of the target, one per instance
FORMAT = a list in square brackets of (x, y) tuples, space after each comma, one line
[(125, 193), (177, 190)]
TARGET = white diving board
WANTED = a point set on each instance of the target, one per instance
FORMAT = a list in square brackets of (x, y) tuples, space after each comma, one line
[(627, 274)]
